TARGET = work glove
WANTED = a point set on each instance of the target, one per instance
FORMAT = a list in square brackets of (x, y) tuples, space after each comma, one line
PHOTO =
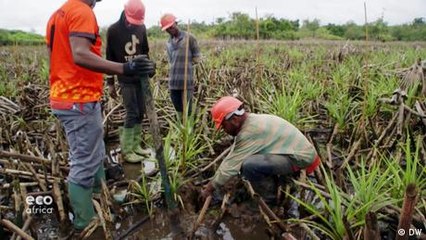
[(139, 66)]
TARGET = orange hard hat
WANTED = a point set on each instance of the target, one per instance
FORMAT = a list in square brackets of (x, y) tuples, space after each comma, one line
[(223, 107), (167, 20), (135, 12)]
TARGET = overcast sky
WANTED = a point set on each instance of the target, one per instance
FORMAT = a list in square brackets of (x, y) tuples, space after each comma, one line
[(32, 15)]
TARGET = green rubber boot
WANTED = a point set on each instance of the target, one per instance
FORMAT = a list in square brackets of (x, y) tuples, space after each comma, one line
[(127, 143), (99, 177), (82, 205), (138, 140)]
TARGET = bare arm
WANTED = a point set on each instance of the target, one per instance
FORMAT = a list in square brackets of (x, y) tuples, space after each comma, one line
[(83, 57)]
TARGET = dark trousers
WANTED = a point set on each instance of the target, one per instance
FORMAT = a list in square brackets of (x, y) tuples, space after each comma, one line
[(260, 166), (134, 103), (263, 171), (177, 99)]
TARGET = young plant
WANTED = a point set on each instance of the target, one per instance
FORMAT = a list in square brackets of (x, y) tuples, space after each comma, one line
[(370, 193), (412, 172), (143, 192), (286, 103), (189, 135), (333, 206)]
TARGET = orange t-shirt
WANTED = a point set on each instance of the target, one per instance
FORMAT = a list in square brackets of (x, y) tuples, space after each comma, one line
[(68, 81)]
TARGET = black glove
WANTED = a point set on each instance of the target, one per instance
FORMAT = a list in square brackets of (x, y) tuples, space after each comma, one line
[(139, 66)]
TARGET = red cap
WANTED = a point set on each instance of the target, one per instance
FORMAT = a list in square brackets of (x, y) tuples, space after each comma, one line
[(223, 107), (167, 20), (135, 12)]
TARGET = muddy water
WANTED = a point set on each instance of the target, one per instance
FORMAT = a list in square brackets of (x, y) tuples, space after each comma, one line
[(247, 225), (229, 229)]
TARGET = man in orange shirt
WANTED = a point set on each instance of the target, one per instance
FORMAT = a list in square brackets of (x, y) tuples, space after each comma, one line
[(76, 85)]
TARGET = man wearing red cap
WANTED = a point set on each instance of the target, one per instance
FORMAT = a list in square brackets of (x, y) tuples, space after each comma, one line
[(127, 39), (265, 147), (183, 52)]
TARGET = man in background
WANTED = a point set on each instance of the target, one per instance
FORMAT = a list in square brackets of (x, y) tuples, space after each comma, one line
[(181, 60), (126, 40)]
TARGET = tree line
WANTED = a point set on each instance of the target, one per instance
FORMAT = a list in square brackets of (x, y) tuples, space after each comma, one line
[(11, 37), (241, 26)]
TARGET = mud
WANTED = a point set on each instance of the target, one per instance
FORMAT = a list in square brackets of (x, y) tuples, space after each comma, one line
[(243, 227)]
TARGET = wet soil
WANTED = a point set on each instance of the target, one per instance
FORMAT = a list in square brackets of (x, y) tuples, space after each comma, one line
[(242, 221)]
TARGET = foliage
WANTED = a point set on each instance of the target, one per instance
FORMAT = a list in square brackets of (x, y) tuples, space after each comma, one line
[(296, 80), (143, 192), (409, 171), (10, 37), (240, 26)]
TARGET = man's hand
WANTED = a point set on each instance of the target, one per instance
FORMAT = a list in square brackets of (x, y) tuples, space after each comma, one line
[(112, 91), (139, 66), (207, 190)]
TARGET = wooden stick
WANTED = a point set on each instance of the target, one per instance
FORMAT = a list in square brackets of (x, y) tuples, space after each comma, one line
[(26, 226), (384, 134), (110, 112), (366, 23), (309, 231), (400, 121), (200, 216), (58, 199), (107, 202), (185, 82), (98, 208), (352, 153), (349, 234), (223, 209), (89, 229), (40, 182), (410, 200), (25, 174), (24, 200), (320, 188), (23, 157), (265, 217), (16, 229), (264, 206), (330, 146), (5, 208), (213, 162), (17, 199), (288, 236), (371, 230), (159, 154), (420, 110)]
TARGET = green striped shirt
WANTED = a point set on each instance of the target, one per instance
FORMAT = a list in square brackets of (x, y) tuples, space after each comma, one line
[(265, 134)]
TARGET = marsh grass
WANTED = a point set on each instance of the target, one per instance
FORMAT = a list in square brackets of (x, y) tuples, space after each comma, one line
[(306, 84)]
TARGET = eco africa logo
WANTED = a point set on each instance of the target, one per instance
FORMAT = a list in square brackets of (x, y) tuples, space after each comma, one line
[(39, 204)]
